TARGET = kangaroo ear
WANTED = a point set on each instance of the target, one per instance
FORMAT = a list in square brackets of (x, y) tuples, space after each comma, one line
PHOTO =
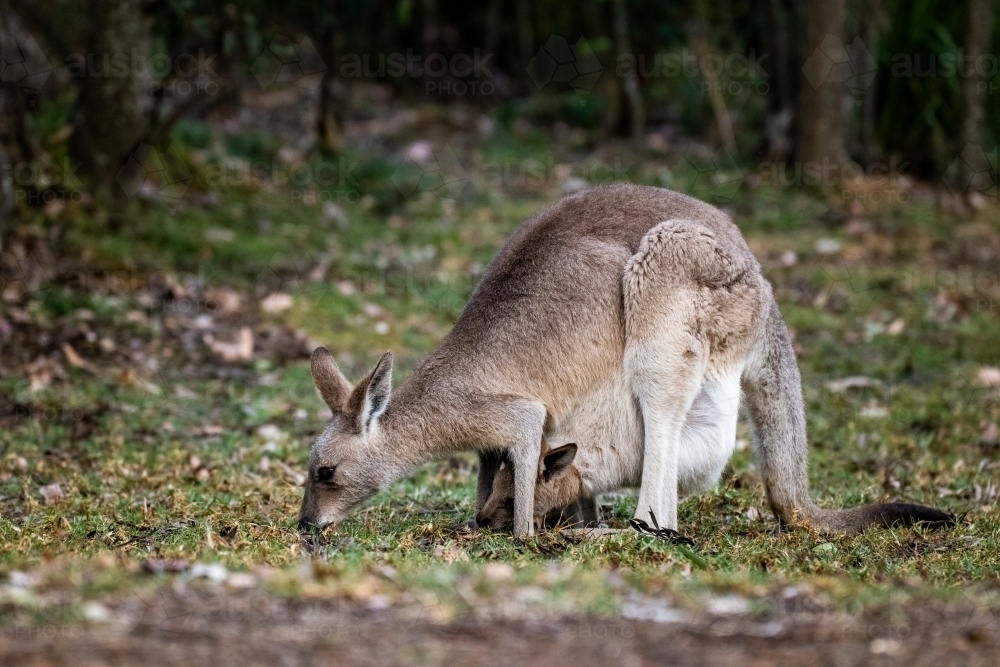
[(371, 397), (557, 462), (332, 385)]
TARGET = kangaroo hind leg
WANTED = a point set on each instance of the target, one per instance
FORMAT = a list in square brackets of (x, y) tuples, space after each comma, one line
[(666, 351)]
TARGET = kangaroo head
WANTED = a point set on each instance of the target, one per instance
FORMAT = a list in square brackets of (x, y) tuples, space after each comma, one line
[(349, 462), (558, 485)]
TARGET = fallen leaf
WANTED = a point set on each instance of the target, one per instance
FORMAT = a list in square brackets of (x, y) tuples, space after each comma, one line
[(989, 376), (318, 274), (219, 235), (95, 612), (76, 360), (851, 382), (54, 207), (727, 605), (51, 493), (882, 646), (978, 201), (241, 350), (276, 302), (160, 565), (241, 580), (40, 373), (451, 554), (896, 327), (212, 571), (223, 300), (420, 151), (372, 310), (827, 246), (874, 411), (857, 227), (177, 290), (498, 571), (334, 213), (271, 432), (942, 309), (295, 477)]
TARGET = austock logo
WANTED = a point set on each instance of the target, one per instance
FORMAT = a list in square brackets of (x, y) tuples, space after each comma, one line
[(558, 62), (424, 169), (974, 171), (836, 62), (297, 279), (717, 177), (842, 286), (23, 63), (284, 62), (155, 175)]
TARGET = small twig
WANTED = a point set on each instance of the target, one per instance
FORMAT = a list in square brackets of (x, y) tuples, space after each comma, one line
[(665, 534)]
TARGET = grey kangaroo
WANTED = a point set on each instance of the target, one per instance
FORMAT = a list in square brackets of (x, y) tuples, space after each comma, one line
[(610, 319)]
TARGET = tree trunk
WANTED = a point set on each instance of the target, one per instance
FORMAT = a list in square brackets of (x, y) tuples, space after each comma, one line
[(525, 40), (112, 105), (599, 24), (822, 122), (6, 171), (977, 44), (871, 24), (492, 27), (781, 108), (432, 28), (698, 31), (630, 82), (329, 120)]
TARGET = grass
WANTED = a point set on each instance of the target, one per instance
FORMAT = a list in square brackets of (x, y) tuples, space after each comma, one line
[(163, 451)]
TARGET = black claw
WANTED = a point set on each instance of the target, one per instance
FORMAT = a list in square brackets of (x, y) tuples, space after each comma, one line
[(666, 534)]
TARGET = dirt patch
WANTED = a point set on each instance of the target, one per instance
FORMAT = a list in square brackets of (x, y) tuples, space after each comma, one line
[(246, 628)]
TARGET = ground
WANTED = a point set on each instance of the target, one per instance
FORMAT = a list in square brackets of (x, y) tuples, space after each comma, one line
[(243, 630), (157, 411)]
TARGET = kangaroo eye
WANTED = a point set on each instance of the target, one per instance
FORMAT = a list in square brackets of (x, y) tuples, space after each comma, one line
[(325, 475), (509, 504)]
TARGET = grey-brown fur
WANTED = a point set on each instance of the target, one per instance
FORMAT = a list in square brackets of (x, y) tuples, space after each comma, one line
[(559, 497), (617, 297)]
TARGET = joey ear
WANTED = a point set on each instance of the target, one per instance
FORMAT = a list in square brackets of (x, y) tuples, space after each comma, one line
[(557, 462), (371, 397), (331, 383)]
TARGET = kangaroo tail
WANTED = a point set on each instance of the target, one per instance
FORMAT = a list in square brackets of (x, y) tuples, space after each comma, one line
[(882, 515), (772, 390)]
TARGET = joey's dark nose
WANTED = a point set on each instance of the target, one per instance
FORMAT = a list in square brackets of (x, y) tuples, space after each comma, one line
[(305, 525)]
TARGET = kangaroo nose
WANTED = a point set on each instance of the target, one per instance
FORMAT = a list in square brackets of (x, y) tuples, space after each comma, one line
[(482, 520), (305, 525)]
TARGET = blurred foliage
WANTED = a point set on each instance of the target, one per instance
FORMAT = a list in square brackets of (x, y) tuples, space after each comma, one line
[(921, 63), (918, 114)]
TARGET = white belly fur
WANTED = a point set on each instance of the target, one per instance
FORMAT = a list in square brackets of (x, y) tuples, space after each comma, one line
[(607, 428)]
